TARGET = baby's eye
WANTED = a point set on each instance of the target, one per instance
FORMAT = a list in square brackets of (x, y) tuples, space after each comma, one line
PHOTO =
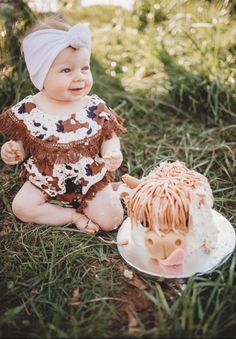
[(85, 68), (66, 70)]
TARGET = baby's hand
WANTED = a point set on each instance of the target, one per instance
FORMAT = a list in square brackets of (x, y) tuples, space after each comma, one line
[(12, 152), (113, 159)]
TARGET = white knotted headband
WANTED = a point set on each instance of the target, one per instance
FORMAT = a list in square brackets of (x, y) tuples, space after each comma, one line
[(42, 47)]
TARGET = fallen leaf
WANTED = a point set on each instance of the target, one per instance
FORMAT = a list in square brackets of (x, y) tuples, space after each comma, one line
[(135, 281), (75, 300), (133, 324)]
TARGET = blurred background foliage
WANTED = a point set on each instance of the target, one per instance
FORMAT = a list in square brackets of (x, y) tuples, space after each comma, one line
[(181, 50), (15, 17)]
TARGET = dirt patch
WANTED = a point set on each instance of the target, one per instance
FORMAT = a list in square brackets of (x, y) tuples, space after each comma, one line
[(136, 313)]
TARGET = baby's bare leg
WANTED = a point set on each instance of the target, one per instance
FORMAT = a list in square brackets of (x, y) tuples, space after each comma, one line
[(30, 205), (105, 209)]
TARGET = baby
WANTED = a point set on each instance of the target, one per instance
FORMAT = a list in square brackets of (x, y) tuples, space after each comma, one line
[(66, 139)]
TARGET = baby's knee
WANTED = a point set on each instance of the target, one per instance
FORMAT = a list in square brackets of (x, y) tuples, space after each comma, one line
[(21, 211), (112, 219)]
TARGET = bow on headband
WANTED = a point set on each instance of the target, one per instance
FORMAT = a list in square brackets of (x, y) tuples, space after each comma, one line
[(41, 48)]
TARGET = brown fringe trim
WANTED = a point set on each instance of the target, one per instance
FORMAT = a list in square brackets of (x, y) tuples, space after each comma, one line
[(114, 125), (68, 153)]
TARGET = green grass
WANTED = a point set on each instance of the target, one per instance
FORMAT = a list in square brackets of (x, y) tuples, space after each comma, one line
[(174, 83)]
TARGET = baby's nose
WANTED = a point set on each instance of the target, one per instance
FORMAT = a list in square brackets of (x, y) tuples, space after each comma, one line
[(161, 247), (78, 76)]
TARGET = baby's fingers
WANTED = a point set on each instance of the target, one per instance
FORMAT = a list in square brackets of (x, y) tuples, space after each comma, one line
[(114, 164), (11, 153), (9, 159), (114, 156), (7, 154), (10, 147), (6, 148), (18, 150), (13, 146), (111, 166)]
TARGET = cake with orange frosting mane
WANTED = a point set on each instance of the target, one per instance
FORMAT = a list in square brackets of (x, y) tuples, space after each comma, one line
[(174, 205)]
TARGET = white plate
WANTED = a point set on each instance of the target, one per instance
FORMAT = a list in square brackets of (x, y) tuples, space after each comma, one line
[(197, 263)]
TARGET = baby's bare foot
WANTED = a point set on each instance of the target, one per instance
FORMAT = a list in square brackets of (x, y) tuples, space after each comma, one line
[(84, 224)]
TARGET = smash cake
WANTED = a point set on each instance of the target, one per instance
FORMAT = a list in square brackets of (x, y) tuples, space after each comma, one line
[(170, 216)]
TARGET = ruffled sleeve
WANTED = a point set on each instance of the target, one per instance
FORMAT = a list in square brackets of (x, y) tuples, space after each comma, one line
[(11, 126), (112, 122)]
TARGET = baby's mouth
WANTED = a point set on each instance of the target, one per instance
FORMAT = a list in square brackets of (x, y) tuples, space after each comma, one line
[(79, 86), (76, 89)]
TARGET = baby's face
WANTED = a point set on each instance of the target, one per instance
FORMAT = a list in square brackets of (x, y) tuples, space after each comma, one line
[(69, 77)]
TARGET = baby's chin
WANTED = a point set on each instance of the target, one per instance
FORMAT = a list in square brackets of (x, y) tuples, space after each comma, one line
[(76, 94)]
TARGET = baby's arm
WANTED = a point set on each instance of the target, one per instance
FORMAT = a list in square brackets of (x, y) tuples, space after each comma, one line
[(12, 152), (111, 153)]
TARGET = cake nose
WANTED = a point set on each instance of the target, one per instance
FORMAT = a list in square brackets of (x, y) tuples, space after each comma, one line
[(167, 248)]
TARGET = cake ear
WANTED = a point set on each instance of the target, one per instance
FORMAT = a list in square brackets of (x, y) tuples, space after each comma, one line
[(130, 181)]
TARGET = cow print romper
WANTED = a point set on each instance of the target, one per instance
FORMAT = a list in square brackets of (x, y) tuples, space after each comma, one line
[(64, 158)]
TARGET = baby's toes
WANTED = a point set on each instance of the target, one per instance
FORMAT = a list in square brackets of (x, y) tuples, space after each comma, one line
[(86, 225), (90, 227)]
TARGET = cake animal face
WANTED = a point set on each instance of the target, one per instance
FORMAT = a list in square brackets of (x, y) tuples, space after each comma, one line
[(168, 249), (168, 203)]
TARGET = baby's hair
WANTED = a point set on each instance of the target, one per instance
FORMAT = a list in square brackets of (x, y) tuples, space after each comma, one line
[(54, 22), (50, 22)]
